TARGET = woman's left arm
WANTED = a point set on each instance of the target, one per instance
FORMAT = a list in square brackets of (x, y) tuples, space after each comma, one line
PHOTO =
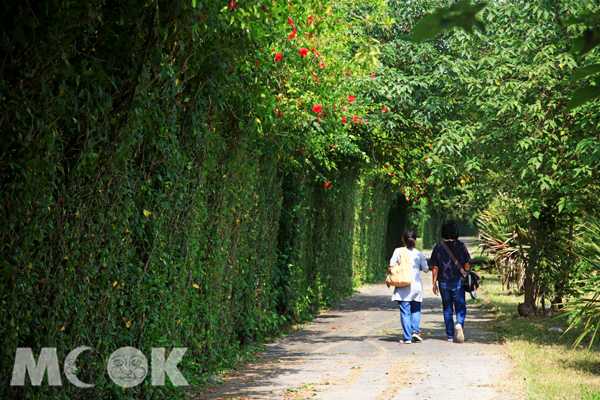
[(395, 260)]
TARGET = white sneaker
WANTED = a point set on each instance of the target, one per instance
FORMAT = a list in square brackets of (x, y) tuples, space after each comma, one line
[(460, 335)]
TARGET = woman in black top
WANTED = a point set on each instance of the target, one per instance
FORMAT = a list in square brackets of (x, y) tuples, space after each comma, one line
[(449, 277)]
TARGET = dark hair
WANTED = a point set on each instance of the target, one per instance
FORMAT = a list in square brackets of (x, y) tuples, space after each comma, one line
[(450, 230), (410, 238)]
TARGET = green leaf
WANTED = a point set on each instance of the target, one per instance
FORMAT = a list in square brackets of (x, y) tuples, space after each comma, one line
[(583, 95), (427, 28), (585, 71), (587, 42), (460, 14)]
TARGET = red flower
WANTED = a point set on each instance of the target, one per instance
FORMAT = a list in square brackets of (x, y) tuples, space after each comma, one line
[(302, 150), (303, 51), (344, 120), (256, 63), (321, 65), (317, 109), (332, 145), (334, 106), (291, 22), (355, 119), (351, 99), (313, 50), (293, 34), (384, 110), (343, 108), (326, 185), (315, 78), (278, 56), (372, 75), (280, 113), (299, 102), (311, 18), (231, 5)]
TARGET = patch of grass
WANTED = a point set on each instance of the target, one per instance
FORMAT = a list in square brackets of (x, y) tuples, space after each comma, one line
[(548, 365)]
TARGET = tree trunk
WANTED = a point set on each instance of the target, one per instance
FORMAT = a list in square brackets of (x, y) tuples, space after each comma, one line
[(528, 306)]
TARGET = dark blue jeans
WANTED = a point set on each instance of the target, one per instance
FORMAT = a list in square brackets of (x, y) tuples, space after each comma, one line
[(453, 297), (410, 316)]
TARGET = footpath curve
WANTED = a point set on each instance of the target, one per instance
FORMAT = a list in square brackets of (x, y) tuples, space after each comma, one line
[(353, 352)]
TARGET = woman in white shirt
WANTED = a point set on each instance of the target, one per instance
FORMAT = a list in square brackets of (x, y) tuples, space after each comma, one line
[(409, 297)]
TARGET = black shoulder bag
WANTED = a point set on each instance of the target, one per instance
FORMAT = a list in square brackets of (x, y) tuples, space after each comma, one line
[(470, 279)]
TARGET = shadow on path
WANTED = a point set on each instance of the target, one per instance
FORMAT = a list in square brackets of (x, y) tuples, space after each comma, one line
[(352, 352)]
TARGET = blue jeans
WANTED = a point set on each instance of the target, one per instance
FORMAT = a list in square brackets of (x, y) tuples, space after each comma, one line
[(410, 316), (453, 297)]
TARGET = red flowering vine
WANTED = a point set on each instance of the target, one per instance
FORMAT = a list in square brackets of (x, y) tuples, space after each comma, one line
[(278, 57), (321, 65), (231, 5), (303, 51), (293, 34), (351, 99), (327, 184), (317, 109)]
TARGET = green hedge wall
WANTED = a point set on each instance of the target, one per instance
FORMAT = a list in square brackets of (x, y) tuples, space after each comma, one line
[(139, 209)]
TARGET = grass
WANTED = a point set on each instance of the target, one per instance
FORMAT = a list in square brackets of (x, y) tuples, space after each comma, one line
[(547, 364)]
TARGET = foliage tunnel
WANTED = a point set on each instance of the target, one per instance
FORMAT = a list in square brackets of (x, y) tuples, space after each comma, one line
[(150, 196)]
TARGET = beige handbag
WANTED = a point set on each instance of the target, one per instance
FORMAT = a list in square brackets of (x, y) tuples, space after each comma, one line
[(402, 274)]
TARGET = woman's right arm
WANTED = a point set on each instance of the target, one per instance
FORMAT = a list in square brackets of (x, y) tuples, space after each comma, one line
[(434, 273), (433, 260)]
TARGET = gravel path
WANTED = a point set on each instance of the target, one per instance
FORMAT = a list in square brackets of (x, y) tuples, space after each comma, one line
[(352, 352)]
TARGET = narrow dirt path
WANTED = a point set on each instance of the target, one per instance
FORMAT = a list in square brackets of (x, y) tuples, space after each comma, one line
[(352, 352)]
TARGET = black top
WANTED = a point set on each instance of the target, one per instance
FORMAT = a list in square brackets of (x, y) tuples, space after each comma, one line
[(448, 272)]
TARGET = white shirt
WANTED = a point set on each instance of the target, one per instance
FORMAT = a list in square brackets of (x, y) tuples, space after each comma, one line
[(414, 291)]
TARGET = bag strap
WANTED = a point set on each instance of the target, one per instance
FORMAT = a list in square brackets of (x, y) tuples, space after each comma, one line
[(460, 267)]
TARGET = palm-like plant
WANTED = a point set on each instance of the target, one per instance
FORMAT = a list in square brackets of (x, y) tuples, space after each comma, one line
[(585, 307), (504, 241)]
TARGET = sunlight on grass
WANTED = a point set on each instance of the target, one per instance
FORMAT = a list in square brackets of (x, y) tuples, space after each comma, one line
[(548, 366)]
